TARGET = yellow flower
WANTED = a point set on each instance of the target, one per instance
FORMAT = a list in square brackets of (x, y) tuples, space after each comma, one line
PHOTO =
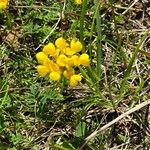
[(75, 60), (44, 60), (57, 53), (68, 73), (69, 51), (41, 57), (69, 62), (54, 67), (61, 60), (84, 59), (42, 70), (49, 49), (55, 76), (3, 4), (61, 43), (74, 80), (78, 2), (75, 45)]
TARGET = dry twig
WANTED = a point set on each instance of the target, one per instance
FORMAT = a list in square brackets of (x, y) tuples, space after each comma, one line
[(94, 134)]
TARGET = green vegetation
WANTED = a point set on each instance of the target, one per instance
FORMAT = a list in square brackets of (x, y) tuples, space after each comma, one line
[(39, 114)]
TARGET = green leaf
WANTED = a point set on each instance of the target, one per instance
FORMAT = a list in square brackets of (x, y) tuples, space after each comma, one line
[(147, 61), (80, 129), (12, 148), (120, 19), (2, 125), (16, 138), (65, 146)]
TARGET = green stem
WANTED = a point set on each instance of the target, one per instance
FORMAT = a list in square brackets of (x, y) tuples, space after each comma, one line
[(88, 79), (119, 37), (92, 74), (129, 68), (99, 41), (82, 18), (91, 32)]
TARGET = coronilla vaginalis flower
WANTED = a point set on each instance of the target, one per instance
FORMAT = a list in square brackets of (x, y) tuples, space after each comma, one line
[(42, 70), (61, 59), (41, 57), (78, 2), (49, 49), (61, 44), (3, 4), (68, 73), (55, 76), (84, 59), (75, 79)]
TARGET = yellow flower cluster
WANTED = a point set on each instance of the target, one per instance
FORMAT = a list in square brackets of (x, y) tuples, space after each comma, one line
[(60, 59), (3, 4)]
